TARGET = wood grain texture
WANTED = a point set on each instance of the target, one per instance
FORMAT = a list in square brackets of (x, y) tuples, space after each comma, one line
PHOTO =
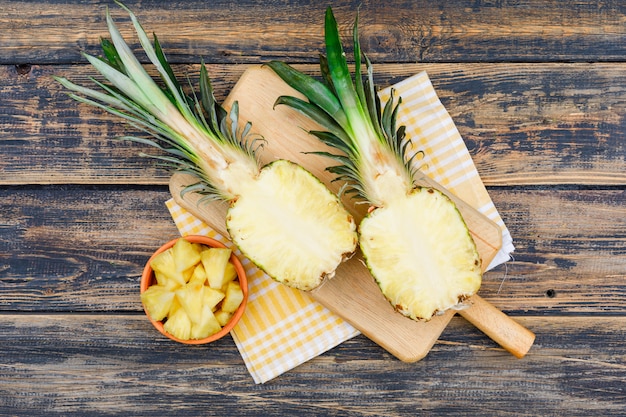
[(398, 31), (352, 293), (63, 247), (78, 249), (110, 364), (537, 90), (524, 124)]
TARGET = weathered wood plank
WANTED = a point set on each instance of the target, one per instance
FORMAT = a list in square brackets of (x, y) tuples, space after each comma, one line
[(570, 244), (398, 31), (56, 138), (78, 249), (83, 249), (536, 89), (523, 123), (96, 364)]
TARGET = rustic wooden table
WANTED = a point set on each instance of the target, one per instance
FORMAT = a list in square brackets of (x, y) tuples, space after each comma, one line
[(538, 91)]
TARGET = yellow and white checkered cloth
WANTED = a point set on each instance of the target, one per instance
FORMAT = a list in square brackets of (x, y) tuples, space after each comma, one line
[(282, 327)]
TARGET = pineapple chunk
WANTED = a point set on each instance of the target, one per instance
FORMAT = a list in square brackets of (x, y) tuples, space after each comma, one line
[(208, 326), (230, 274), (165, 272), (212, 297), (186, 255), (234, 297), (179, 325), (157, 300), (190, 297), (198, 276), (223, 317), (187, 274), (199, 247), (421, 253), (415, 242), (183, 297), (175, 306), (215, 261)]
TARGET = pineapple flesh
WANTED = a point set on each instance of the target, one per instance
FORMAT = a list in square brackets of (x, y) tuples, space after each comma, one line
[(280, 216), (193, 309), (414, 240), (289, 215), (421, 254)]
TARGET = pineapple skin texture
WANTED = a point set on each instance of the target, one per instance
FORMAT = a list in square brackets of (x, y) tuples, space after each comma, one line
[(421, 254), (291, 226)]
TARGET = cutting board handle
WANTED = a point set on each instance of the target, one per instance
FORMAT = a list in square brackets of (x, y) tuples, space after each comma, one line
[(502, 329)]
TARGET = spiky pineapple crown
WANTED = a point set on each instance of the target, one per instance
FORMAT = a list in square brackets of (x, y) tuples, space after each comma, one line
[(195, 134), (366, 133)]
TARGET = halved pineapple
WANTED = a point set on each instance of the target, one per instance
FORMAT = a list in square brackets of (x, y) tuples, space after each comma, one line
[(287, 214), (421, 254), (281, 217), (414, 240)]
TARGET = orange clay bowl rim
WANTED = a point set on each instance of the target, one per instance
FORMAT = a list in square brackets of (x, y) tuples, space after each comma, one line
[(147, 279)]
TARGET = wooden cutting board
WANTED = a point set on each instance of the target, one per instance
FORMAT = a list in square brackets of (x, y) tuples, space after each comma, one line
[(352, 293)]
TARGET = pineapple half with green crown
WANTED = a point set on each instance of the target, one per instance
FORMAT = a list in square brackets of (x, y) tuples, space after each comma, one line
[(414, 240), (280, 216)]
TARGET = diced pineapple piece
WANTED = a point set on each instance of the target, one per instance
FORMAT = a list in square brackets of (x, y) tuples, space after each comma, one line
[(223, 317), (198, 276), (186, 254), (157, 300), (230, 273), (215, 261), (190, 297), (208, 326), (187, 274), (211, 297), (183, 297), (165, 272), (179, 325), (299, 247), (199, 247), (234, 297), (175, 306)]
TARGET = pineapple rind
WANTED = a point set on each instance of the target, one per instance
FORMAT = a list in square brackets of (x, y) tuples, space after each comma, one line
[(421, 253), (291, 226)]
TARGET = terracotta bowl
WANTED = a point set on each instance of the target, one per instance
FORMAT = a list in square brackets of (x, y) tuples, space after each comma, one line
[(147, 279)]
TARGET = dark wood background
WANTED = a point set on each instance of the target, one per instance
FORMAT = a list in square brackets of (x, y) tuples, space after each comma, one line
[(536, 88)]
